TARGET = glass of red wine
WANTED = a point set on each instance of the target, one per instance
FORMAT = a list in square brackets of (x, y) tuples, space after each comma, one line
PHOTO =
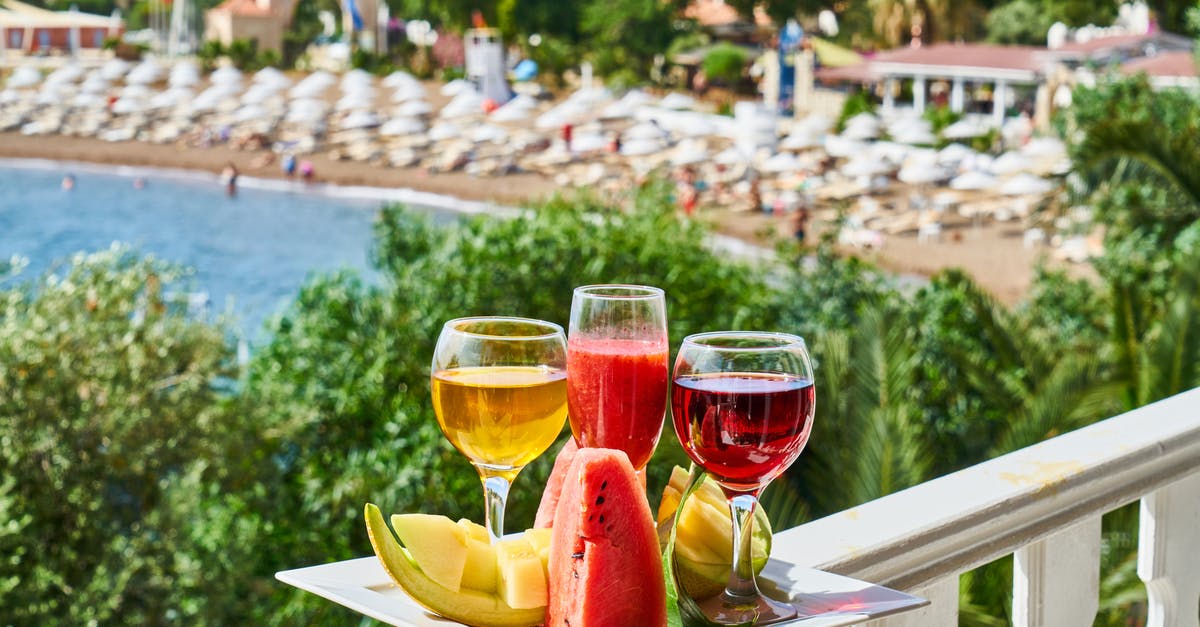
[(743, 405)]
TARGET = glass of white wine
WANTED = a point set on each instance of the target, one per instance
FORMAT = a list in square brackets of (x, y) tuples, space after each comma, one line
[(500, 395)]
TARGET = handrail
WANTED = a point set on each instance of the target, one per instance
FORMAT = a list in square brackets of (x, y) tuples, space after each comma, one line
[(965, 519)]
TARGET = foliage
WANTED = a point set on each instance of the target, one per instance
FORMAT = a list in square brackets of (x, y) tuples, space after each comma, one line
[(554, 57), (1018, 22), (627, 34), (725, 63), (107, 392), (940, 117)]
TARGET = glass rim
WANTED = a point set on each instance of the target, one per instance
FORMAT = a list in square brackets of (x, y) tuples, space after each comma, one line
[(551, 329), (786, 340), (636, 292)]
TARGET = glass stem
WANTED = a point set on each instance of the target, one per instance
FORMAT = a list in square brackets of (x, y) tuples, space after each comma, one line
[(495, 496), (741, 573)]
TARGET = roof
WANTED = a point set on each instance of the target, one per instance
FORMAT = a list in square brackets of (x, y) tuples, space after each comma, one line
[(1163, 64), (15, 14), (1028, 58), (718, 13), (244, 7)]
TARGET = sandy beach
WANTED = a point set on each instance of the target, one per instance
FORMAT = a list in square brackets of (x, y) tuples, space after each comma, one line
[(992, 253)]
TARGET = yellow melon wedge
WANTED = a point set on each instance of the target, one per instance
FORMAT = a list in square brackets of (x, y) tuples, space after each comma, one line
[(437, 544), (522, 583), (480, 570), (467, 606), (475, 530)]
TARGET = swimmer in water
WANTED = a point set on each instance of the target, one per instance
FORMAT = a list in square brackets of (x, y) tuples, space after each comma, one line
[(68, 182), (229, 176)]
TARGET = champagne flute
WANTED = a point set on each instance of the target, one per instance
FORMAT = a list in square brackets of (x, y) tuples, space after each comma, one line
[(500, 394), (742, 404), (617, 354)]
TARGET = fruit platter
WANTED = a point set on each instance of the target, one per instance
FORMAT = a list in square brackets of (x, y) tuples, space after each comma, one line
[(742, 405)]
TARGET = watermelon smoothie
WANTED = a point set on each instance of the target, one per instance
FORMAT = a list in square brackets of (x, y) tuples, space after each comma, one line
[(617, 394)]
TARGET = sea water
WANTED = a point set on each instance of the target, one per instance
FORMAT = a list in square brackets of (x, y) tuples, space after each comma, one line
[(250, 252)]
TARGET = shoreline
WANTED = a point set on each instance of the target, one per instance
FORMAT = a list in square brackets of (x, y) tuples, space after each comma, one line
[(993, 255)]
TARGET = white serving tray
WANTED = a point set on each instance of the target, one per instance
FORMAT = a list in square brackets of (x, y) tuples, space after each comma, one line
[(824, 599)]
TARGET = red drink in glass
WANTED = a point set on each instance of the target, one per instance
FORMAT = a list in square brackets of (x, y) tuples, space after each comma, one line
[(617, 394), (744, 428)]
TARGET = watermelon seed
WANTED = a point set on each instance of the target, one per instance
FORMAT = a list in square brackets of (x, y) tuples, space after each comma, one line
[(603, 484), (601, 518), (577, 556), (600, 500)]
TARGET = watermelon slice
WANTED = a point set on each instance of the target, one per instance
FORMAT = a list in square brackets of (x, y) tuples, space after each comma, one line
[(554, 485), (604, 568)]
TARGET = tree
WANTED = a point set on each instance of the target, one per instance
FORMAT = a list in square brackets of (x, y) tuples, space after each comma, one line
[(108, 391), (1018, 22), (626, 35)]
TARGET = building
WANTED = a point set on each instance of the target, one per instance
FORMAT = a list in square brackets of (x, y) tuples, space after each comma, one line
[(1167, 69), (264, 21), (31, 29), (995, 78)]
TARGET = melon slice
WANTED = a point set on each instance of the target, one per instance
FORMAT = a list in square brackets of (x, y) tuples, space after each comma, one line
[(437, 544), (540, 539), (554, 485), (605, 567), (469, 607), (479, 573), (522, 575), (476, 530)]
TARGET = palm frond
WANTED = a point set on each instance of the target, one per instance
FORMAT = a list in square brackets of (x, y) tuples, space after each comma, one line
[(1169, 152)]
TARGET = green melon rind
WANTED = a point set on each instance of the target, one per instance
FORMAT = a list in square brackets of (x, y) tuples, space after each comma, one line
[(466, 606)]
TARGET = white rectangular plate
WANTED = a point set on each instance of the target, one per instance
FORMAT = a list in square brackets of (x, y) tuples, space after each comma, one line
[(824, 599)]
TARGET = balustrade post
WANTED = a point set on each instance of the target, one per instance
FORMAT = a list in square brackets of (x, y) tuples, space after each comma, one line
[(1056, 580), (1169, 553), (942, 610)]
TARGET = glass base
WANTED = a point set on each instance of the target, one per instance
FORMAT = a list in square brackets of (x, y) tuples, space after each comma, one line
[(727, 609)]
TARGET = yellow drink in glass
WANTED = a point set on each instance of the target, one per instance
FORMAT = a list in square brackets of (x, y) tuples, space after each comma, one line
[(502, 417)]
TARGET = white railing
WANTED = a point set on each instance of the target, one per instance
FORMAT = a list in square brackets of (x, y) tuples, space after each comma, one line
[(1042, 504)]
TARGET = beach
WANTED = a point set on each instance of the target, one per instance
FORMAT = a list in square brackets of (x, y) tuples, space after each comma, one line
[(993, 253)]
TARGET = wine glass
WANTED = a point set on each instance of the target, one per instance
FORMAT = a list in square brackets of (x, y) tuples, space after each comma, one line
[(742, 404), (617, 354), (500, 395)]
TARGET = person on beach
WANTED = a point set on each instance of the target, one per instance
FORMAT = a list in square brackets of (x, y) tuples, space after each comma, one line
[(800, 224), (307, 172), (289, 165), (229, 177)]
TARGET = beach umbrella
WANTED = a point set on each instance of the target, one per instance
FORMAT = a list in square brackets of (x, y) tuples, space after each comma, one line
[(306, 110), (353, 101), (312, 85), (518, 108), (973, 180), (954, 154), (24, 76), (915, 136), (250, 112), (1044, 148), (355, 77), (144, 73), (838, 146), (889, 151), (397, 127), (226, 75), (413, 108), (399, 79), (136, 91), (860, 132), (68, 73), (801, 139), (588, 142), (406, 93), (444, 130), (965, 129), (9, 96), (487, 133), (1011, 162), (637, 147), (815, 123), (645, 130), (126, 106), (114, 69), (171, 98), (273, 77), (676, 100), (922, 174), (730, 156), (258, 94), (359, 119), (781, 162), (467, 102), (866, 165), (95, 83), (87, 101), (1025, 184), (454, 87)]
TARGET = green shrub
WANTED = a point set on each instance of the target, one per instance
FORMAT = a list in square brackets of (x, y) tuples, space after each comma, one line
[(724, 63)]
